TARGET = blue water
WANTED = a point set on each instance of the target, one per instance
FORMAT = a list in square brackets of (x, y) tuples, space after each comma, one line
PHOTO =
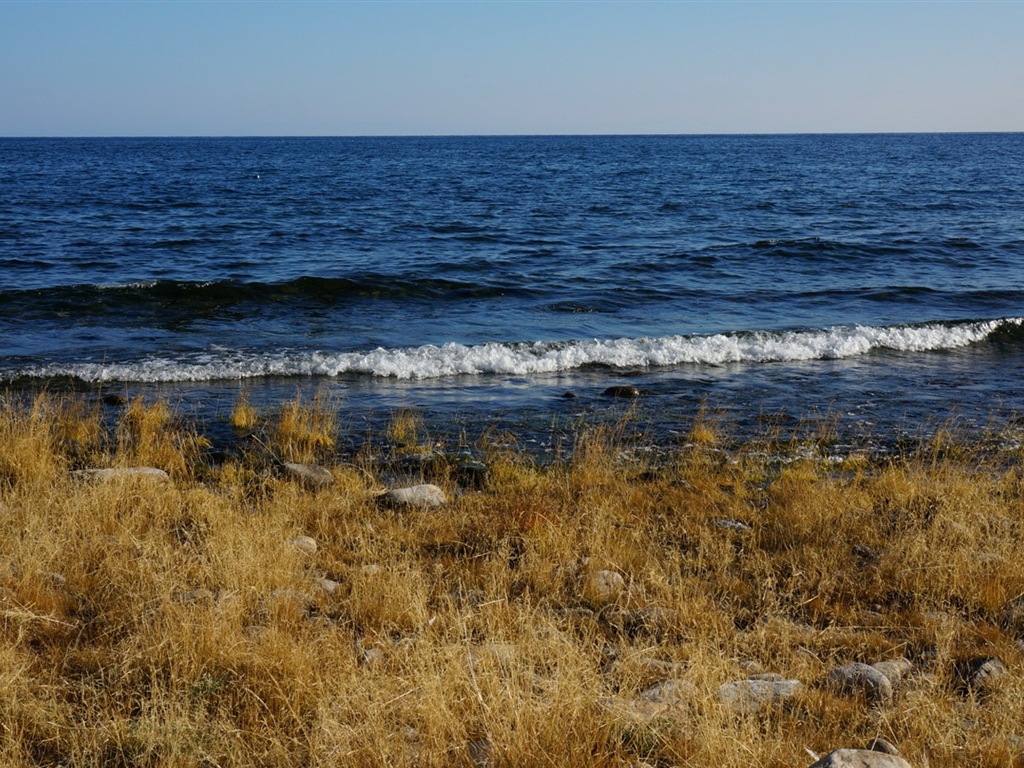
[(875, 278)]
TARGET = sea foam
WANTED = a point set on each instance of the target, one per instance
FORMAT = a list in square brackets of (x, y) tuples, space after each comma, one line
[(522, 358)]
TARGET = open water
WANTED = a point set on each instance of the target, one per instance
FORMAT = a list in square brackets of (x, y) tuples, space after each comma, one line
[(874, 279)]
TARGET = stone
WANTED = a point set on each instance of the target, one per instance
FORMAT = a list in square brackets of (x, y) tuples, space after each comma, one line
[(895, 670), (860, 758), (748, 696), (731, 525), (623, 391), (878, 744), (861, 679), (425, 496), (313, 476), (672, 692), (113, 473), (985, 674), (195, 597), (330, 586), (655, 619), (114, 400), (305, 544), (603, 586)]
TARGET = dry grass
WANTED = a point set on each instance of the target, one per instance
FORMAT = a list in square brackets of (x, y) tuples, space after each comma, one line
[(174, 624)]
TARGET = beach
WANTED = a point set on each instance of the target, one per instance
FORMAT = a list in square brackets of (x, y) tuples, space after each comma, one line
[(290, 604)]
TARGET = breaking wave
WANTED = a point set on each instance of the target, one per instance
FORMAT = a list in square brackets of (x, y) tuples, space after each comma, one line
[(523, 358)]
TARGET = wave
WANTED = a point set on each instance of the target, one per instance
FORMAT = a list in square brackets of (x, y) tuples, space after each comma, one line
[(226, 293), (523, 358)]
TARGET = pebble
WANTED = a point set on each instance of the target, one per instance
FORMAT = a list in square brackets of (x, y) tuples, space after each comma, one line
[(860, 758), (748, 696), (424, 496), (313, 476), (861, 679)]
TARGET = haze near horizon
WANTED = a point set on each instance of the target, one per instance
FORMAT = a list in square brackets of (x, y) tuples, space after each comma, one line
[(429, 68)]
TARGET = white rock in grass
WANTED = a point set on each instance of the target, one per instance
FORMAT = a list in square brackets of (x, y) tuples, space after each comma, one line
[(425, 496), (860, 758), (330, 586), (748, 696), (313, 476), (305, 544), (672, 692), (604, 586), (112, 473)]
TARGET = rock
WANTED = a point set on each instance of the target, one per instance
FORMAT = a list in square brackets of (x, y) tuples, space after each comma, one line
[(603, 586), (731, 525), (879, 744), (114, 400), (861, 679), (113, 473), (569, 395), (195, 597), (481, 752), (305, 544), (253, 632), (860, 758), (655, 620), (624, 391), (747, 696), (895, 670), (984, 674), (424, 496), (672, 692), (313, 476), (330, 586)]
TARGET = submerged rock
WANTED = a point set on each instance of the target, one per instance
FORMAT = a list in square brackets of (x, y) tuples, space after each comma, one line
[(624, 391)]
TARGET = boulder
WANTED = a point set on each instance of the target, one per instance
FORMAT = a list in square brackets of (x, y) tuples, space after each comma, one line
[(313, 476), (748, 696), (861, 679), (860, 758), (424, 496), (895, 670)]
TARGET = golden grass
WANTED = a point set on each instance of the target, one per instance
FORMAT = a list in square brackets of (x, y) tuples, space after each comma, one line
[(174, 624)]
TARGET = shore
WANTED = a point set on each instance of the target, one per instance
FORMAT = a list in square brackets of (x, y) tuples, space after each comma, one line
[(714, 603)]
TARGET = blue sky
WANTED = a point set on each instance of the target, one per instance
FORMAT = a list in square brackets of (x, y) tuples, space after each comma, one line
[(81, 68)]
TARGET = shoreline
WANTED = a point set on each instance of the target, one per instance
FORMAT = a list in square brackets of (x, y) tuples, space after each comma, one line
[(288, 606)]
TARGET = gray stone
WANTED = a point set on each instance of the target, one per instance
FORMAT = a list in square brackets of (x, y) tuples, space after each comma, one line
[(731, 525), (313, 476), (305, 544), (860, 758), (672, 692), (878, 744), (986, 674), (330, 586), (603, 586), (895, 670), (747, 696), (113, 473), (861, 679), (424, 496)]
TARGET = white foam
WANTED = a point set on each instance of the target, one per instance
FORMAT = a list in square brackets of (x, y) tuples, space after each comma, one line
[(432, 361)]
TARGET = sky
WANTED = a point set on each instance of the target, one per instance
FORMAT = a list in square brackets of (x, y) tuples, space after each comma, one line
[(207, 68)]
